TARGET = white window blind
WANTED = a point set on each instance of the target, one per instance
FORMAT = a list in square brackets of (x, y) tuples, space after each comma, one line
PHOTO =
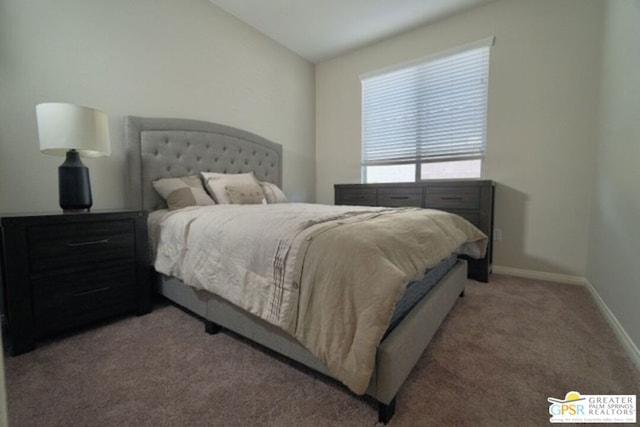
[(427, 111)]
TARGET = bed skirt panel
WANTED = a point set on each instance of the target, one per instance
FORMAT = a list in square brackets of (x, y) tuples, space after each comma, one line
[(401, 349), (396, 356), (185, 296)]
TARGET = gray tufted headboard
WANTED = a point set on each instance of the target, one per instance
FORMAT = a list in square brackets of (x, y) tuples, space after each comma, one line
[(163, 148)]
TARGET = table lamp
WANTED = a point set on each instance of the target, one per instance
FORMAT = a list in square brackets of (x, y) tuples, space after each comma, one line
[(73, 131)]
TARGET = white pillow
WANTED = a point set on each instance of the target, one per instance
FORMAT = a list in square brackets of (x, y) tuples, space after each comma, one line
[(216, 184), (273, 193)]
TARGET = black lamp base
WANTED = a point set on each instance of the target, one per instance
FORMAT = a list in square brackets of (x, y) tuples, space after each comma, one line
[(73, 184)]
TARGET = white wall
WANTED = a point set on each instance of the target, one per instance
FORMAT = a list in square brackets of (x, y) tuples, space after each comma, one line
[(163, 58), (614, 244), (541, 123)]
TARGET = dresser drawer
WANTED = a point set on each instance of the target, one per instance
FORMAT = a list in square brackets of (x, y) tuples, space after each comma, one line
[(399, 196), (472, 217), (357, 196), (458, 197), (60, 246)]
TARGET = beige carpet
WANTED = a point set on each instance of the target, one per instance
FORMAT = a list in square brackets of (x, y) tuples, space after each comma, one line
[(502, 351)]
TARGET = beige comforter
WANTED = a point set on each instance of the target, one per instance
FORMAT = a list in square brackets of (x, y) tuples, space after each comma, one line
[(328, 275)]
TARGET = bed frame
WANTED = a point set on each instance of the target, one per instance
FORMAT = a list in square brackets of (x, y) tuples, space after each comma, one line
[(161, 148)]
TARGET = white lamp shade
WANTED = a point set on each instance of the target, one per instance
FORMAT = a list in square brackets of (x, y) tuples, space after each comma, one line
[(63, 127)]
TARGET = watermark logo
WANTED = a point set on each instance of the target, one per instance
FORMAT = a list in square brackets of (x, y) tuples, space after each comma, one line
[(577, 408)]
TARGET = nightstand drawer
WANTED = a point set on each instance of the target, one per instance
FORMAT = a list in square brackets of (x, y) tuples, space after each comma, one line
[(115, 273), (61, 301), (398, 197), (55, 247), (459, 197), (357, 196)]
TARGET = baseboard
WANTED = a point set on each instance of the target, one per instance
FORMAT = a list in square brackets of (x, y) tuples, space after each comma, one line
[(539, 275), (628, 344)]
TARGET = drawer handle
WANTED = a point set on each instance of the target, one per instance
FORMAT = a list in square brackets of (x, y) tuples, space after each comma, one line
[(450, 198), (399, 197), (93, 242), (92, 291)]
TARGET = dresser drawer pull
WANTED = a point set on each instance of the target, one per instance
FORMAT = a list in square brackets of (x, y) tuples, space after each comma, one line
[(399, 197), (92, 291), (451, 198), (93, 242)]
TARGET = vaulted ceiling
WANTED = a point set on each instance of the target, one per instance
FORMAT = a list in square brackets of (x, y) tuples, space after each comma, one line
[(320, 29)]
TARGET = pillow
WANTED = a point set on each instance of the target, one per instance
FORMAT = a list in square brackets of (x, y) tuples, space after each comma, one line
[(182, 192), (273, 193), (216, 184), (245, 194)]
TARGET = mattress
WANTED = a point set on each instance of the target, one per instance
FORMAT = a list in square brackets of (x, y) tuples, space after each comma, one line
[(416, 290)]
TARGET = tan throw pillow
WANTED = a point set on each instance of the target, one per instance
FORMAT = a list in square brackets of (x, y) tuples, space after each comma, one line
[(182, 192), (245, 194), (273, 193), (216, 183)]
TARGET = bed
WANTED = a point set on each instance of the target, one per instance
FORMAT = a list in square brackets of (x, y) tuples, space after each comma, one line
[(160, 148)]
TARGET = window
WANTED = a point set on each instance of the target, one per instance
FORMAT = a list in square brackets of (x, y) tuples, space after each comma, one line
[(427, 119)]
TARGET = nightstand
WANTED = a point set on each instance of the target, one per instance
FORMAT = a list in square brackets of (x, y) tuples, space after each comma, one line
[(62, 271)]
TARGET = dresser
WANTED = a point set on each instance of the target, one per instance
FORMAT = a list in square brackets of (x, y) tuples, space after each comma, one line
[(62, 271), (471, 199)]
